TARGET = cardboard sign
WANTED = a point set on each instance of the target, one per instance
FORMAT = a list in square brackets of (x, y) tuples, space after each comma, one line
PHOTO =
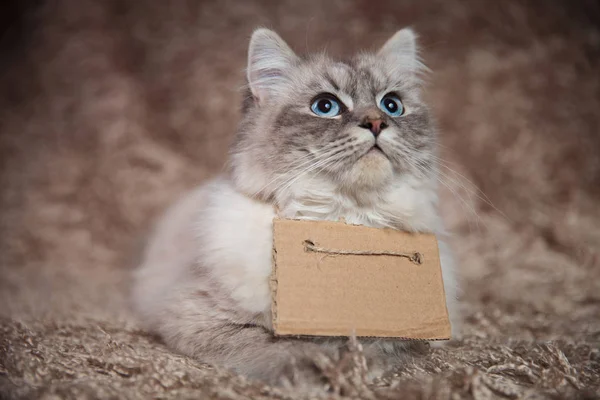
[(334, 279)]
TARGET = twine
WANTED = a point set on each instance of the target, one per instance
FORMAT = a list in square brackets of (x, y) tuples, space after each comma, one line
[(415, 258)]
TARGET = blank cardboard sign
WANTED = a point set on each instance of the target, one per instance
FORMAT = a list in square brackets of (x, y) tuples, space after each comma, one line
[(334, 279)]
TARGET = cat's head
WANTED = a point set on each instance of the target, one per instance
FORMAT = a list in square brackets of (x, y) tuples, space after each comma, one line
[(357, 124)]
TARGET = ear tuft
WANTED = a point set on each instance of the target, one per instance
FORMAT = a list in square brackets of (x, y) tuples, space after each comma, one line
[(269, 59), (402, 43), (402, 52)]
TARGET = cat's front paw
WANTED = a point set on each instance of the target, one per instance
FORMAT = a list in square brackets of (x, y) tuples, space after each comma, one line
[(291, 364)]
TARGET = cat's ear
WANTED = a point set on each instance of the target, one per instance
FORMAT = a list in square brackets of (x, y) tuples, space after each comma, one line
[(402, 48), (269, 59)]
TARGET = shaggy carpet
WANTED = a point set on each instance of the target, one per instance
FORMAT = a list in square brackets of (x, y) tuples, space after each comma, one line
[(110, 110)]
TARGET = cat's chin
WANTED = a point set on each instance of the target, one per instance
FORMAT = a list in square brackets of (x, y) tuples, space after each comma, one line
[(373, 170)]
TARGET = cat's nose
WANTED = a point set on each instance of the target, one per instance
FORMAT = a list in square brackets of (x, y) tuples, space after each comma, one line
[(374, 125)]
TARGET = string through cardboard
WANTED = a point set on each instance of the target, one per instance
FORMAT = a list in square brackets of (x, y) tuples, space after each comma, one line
[(415, 258)]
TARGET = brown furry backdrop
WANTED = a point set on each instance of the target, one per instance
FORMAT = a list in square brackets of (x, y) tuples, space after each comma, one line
[(110, 109)]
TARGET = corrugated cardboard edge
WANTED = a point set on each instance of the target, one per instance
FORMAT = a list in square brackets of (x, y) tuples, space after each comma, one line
[(273, 284)]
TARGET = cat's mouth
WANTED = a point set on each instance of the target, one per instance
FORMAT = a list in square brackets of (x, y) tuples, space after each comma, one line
[(376, 150)]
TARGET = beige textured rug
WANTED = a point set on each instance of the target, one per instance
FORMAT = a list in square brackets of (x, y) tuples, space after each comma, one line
[(109, 110)]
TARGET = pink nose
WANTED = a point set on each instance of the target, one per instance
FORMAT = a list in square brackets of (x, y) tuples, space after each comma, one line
[(374, 125)]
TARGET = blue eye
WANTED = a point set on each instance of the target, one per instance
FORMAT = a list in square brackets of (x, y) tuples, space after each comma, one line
[(326, 106), (392, 105)]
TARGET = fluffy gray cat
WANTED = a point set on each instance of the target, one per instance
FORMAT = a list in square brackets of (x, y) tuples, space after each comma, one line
[(320, 139)]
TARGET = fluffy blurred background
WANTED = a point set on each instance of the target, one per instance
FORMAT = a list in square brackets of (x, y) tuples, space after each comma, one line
[(109, 110)]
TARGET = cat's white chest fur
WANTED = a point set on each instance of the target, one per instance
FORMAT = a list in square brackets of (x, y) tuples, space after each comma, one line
[(407, 204), (235, 241)]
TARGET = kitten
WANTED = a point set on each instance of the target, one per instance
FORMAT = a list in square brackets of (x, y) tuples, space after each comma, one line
[(320, 140)]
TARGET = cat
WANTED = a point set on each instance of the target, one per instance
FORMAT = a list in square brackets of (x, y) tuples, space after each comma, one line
[(319, 139)]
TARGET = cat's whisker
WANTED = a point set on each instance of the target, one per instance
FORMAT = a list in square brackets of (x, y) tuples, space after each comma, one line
[(318, 164), (301, 162), (329, 150), (471, 188), (446, 164), (424, 169), (441, 179)]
